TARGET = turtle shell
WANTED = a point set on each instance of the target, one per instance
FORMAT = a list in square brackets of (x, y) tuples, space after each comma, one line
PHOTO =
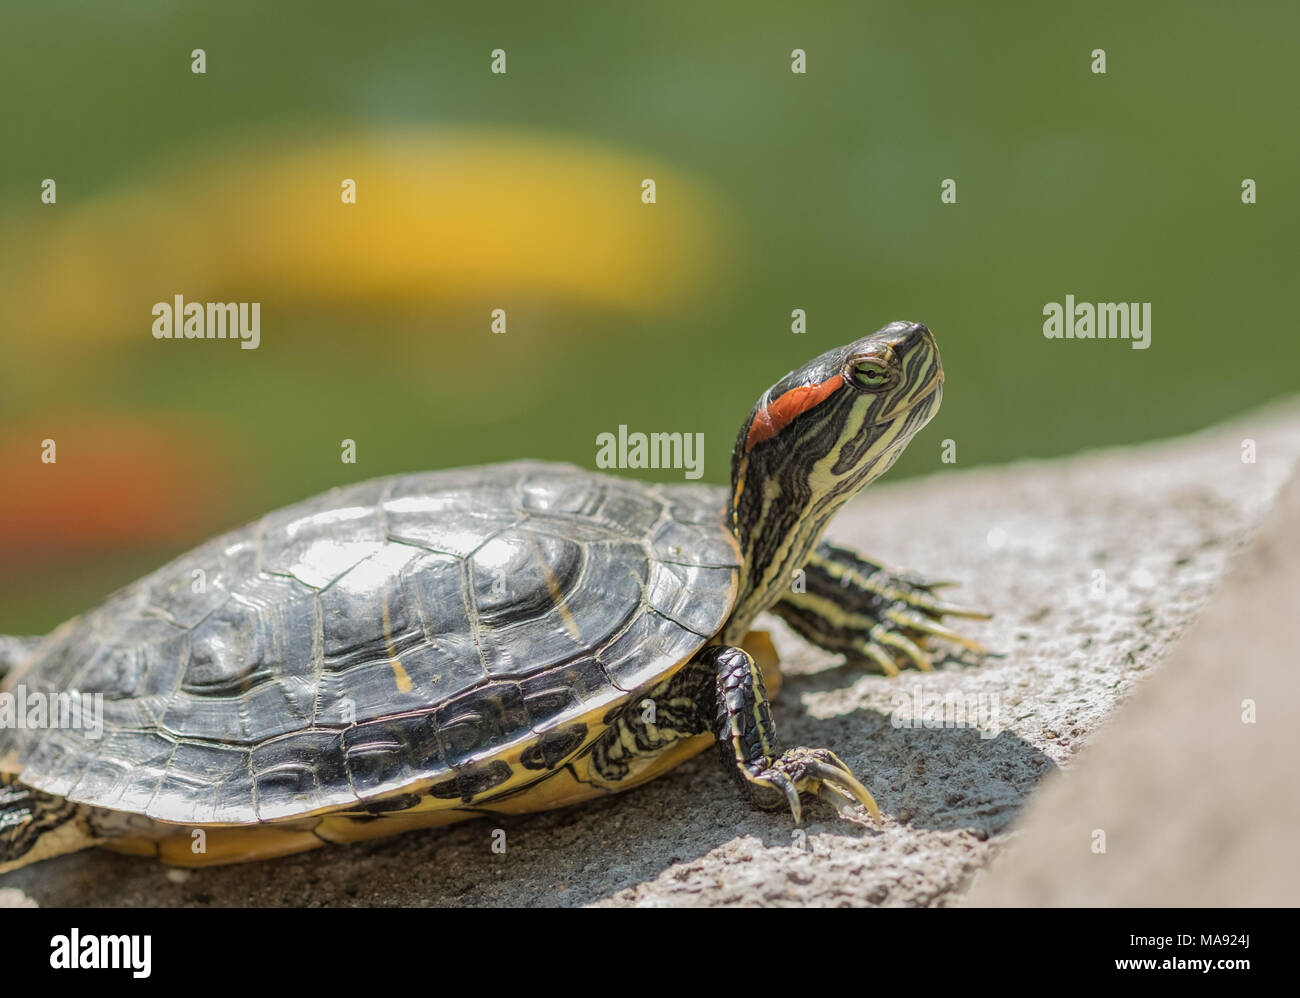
[(438, 630)]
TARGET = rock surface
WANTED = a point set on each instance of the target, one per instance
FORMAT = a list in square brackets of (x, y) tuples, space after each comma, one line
[(1189, 797), (1095, 565)]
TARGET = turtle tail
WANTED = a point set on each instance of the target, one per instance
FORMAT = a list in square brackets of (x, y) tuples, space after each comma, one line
[(36, 826), (15, 650)]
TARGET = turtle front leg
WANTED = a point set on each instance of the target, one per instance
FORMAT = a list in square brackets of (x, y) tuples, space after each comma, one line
[(720, 695), (853, 606), (747, 743)]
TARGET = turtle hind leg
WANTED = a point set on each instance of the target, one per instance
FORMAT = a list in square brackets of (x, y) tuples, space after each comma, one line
[(747, 744), (879, 619), (36, 826), (16, 650)]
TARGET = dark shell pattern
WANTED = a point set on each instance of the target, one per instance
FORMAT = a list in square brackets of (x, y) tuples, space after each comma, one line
[(405, 629)]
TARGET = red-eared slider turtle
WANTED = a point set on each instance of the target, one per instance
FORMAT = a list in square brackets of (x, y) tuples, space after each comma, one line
[(427, 648)]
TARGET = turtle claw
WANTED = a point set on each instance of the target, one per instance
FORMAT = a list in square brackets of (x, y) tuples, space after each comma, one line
[(905, 645), (819, 772), (948, 610), (880, 657), (782, 782), (898, 638), (916, 622), (921, 603)]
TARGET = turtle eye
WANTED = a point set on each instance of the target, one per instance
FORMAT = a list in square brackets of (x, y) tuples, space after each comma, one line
[(871, 375)]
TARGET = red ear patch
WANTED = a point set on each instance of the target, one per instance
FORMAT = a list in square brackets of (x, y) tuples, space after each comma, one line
[(776, 416)]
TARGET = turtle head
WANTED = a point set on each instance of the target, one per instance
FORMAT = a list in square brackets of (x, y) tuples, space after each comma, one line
[(812, 441)]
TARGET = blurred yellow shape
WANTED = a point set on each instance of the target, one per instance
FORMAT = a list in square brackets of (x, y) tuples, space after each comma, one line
[(481, 219)]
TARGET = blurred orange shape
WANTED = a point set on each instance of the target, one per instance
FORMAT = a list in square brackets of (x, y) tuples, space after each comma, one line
[(117, 482)]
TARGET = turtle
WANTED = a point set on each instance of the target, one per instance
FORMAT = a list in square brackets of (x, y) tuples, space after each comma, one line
[(426, 648)]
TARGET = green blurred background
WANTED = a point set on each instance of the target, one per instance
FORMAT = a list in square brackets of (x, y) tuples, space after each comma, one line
[(776, 191)]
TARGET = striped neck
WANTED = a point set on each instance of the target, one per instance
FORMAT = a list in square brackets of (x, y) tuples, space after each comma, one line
[(810, 445)]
